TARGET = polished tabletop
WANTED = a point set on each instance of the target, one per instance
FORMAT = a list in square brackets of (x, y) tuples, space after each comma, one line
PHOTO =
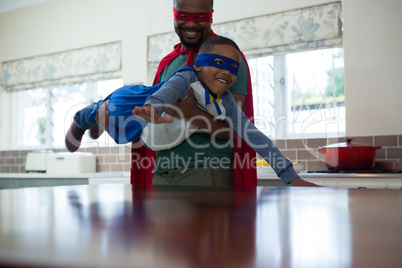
[(145, 226)]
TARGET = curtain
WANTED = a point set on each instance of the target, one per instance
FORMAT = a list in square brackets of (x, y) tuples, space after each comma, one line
[(296, 30), (100, 62)]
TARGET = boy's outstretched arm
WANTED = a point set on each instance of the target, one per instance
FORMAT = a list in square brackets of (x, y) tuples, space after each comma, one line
[(150, 114)]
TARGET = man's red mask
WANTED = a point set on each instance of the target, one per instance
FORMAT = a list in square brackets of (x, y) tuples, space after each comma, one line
[(196, 17)]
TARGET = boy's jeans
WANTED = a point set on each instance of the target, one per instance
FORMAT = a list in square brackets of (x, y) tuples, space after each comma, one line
[(81, 118)]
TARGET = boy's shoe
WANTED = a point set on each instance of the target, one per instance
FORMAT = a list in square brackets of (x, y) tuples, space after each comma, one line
[(95, 132), (74, 137)]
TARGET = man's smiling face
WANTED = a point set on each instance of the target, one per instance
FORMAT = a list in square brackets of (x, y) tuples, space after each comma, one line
[(192, 33)]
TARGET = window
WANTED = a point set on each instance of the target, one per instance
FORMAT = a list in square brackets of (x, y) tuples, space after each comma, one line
[(45, 91), (42, 116), (299, 95)]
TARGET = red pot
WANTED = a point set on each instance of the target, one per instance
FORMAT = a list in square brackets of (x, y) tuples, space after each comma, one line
[(349, 156)]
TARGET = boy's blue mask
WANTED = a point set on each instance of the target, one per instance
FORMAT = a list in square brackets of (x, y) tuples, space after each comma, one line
[(209, 60)]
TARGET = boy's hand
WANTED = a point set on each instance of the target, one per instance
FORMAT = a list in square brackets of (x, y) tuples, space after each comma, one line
[(300, 182), (150, 114)]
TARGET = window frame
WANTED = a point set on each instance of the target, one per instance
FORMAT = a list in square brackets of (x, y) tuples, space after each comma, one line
[(280, 120), (91, 93)]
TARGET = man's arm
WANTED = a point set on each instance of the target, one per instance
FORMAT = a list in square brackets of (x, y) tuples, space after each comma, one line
[(201, 118)]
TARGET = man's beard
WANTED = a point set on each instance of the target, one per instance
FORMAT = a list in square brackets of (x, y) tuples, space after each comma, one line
[(191, 45)]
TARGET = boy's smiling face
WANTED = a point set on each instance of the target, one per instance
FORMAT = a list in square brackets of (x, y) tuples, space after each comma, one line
[(215, 79)]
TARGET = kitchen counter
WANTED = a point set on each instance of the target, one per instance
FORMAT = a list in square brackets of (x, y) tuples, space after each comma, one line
[(35, 175), (136, 226), (356, 180), (267, 177), (22, 180)]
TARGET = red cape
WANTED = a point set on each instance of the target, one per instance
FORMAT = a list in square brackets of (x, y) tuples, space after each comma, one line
[(244, 157)]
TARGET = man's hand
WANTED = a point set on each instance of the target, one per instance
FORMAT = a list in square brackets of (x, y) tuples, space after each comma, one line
[(186, 106), (150, 114), (102, 116), (301, 182)]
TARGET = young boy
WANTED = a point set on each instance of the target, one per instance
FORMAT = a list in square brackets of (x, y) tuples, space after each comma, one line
[(125, 127), (212, 74)]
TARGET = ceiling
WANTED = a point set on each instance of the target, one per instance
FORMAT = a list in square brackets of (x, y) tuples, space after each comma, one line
[(9, 5)]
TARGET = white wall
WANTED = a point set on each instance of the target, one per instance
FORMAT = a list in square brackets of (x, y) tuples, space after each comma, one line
[(373, 66), (372, 42)]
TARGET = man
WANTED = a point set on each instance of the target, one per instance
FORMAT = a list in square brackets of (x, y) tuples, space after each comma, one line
[(200, 160), (206, 158)]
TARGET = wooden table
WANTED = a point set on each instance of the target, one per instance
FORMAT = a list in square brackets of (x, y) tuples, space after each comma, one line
[(124, 226)]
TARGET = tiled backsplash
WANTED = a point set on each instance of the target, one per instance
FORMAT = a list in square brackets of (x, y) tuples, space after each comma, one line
[(108, 159), (117, 159), (306, 151)]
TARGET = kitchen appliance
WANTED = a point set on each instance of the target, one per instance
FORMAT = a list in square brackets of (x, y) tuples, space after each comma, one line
[(71, 163), (36, 161), (349, 156)]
